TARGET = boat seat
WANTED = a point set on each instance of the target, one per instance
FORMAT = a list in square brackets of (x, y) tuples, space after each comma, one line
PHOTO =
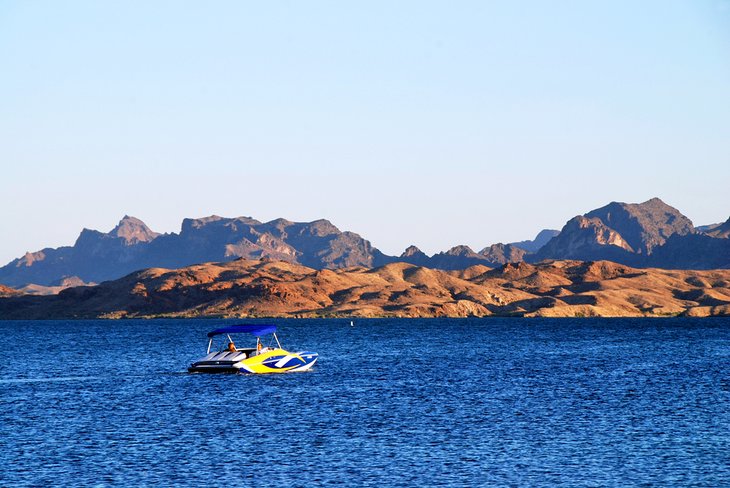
[(225, 356), (221, 356)]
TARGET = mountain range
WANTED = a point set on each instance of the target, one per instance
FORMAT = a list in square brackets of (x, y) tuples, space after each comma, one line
[(265, 288), (648, 234), (131, 245)]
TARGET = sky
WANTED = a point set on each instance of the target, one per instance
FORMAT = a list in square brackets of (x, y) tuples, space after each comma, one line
[(426, 123)]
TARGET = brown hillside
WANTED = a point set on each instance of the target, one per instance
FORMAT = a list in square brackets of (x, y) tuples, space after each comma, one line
[(277, 288)]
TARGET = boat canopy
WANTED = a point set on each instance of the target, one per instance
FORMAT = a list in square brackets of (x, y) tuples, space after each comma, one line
[(253, 329)]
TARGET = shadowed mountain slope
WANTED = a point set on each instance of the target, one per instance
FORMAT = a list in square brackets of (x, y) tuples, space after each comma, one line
[(131, 245), (721, 231), (694, 251)]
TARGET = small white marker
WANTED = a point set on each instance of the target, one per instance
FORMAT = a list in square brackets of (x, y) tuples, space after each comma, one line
[(352, 324)]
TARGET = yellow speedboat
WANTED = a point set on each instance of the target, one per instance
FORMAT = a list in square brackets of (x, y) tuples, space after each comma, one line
[(258, 359)]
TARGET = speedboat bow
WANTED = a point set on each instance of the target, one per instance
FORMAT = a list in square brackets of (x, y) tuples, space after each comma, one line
[(258, 359)]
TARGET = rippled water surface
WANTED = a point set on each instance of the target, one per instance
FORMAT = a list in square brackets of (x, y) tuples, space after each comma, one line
[(390, 402)]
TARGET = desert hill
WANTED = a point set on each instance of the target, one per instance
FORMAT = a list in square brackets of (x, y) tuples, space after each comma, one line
[(258, 288)]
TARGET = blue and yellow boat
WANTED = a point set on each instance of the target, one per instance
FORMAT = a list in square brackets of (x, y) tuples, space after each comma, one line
[(259, 359)]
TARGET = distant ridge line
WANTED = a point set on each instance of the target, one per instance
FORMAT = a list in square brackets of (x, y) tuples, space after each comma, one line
[(648, 234)]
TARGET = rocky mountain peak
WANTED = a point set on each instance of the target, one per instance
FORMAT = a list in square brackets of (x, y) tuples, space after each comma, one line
[(643, 226), (415, 256), (460, 250), (133, 230), (191, 225), (503, 253), (412, 251), (280, 223), (320, 228)]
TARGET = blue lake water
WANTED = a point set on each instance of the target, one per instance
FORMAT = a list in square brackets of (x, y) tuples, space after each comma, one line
[(467, 402)]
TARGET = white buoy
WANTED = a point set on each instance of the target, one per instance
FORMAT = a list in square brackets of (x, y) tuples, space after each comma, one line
[(352, 324)]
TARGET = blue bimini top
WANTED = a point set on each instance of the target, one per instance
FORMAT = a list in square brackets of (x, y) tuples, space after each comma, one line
[(253, 329)]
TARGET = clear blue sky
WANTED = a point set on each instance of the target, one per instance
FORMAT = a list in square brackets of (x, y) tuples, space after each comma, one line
[(427, 123)]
